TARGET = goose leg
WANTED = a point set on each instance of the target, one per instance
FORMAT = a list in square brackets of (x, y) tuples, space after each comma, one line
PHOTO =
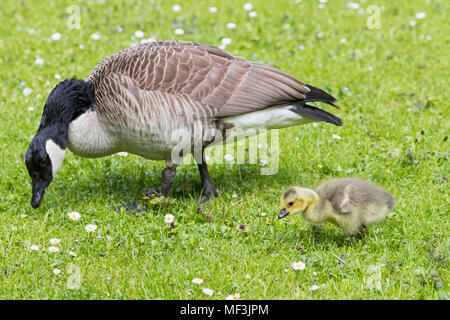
[(209, 191), (168, 175)]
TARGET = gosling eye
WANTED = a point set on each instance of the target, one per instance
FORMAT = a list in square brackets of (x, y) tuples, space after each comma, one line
[(290, 204)]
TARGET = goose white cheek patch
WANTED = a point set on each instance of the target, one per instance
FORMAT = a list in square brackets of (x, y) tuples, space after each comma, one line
[(56, 155)]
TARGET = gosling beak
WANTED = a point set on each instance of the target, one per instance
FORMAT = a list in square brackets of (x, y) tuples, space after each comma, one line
[(283, 214)]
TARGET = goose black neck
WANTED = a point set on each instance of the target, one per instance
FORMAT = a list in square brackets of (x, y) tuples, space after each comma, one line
[(67, 101)]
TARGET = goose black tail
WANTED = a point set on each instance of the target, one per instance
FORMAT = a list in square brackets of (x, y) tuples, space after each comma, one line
[(317, 95), (316, 113)]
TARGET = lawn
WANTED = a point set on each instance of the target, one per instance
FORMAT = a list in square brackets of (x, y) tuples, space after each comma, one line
[(391, 82)]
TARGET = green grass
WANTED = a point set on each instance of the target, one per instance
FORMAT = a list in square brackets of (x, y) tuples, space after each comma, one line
[(395, 134)]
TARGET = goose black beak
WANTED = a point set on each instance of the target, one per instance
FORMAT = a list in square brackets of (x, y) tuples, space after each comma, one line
[(38, 191), (283, 213)]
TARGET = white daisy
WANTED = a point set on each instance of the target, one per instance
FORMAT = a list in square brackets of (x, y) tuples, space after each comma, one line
[(213, 9), (74, 216), (56, 271), (57, 76), (248, 6), (412, 23), (231, 25), (27, 91), (252, 14), (247, 276), (96, 36), (30, 108), (298, 265), (197, 281), (323, 1), (314, 287), (226, 41), (234, 195), (55, 241), (169, 218), (234, 296), (53, 249), (56, 36), (207, 291), (139, 34), (90, 227), (263, 214), (179, 31), (335, 136), (123, 154), (81, 46), (73, 254), (34, 247), (262, 163), (176, 8), (39, 62), (420, 15), (353, 5), (228, 157), (343, 40)]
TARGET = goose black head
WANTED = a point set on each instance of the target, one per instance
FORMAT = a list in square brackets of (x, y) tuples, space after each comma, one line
[(69, 99), (43, 160)]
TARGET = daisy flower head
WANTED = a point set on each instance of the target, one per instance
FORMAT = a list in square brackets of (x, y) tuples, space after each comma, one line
[(55, 241), (207, 291), (123, 154), (74, 216), (53, 249), (248, 6), (56, 271), (96, 36), (421, 15), (228, 157), (213, 9), (252, 14), (139, 34), (176, 8), (39, 61), (298, 265), (314, 287), (169, 218), (73, 254), (262, 163), (90, 227), (231, 25), (235, 296), (56, 36), (179, 31), (27, 91), (34, 247), (197, 281)]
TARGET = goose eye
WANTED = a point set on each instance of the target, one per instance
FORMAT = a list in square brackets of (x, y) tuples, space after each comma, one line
[(290, 204)]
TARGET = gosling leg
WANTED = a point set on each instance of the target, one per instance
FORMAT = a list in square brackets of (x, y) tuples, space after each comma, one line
[(168, 175)]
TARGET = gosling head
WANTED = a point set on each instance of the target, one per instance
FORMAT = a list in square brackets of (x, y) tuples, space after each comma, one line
[(296, 200)]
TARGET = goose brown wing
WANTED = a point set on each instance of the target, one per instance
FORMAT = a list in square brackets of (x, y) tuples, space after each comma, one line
[(226, 84)]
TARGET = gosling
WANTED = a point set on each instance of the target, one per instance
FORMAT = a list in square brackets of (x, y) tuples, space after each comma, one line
[(350, 203)]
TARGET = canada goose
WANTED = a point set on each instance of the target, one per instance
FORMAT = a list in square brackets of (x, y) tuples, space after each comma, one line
[(350, 203), (136, 98)]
